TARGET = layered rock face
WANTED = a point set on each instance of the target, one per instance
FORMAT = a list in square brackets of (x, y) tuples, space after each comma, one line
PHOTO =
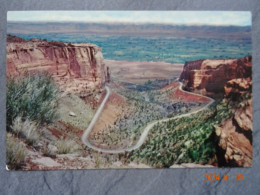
[(232, 80), (235, 137), (235, 134), (238, 87), (76, 67), (209, 76)]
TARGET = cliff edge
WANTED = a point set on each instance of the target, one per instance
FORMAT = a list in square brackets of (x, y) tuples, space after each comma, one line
[(76, 67), (209, 76), (230, 80)]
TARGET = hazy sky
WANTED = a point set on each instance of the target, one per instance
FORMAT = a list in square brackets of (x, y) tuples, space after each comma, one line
[(240, 18)]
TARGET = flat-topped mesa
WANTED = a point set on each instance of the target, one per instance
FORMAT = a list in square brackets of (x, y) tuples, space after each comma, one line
[(209, 76), (73, 61)]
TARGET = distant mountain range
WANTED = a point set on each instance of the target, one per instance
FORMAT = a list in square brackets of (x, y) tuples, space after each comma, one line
[(203, 31)]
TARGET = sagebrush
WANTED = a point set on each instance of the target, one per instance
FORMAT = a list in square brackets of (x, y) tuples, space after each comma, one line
[(33, 96)]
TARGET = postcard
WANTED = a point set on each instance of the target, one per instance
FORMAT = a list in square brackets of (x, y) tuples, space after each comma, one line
[(128, 89)]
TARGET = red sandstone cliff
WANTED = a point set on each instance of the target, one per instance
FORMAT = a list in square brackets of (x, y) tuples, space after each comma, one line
[(75, 67), (209, 76), (231, 79), (235, 133)]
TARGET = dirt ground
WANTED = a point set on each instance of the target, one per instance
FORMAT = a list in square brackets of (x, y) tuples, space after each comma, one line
[(138, 72)]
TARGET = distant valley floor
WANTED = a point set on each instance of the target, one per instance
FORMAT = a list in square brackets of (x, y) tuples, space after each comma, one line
[(138, 72)]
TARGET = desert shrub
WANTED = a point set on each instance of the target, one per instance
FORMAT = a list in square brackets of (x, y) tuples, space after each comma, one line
[(48, 151), (32, 96), (15, 152), (179, 141), (26, 129), (185, 140), (66, 146)]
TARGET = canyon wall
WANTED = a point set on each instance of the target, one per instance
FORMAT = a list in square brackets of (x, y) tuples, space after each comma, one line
[(75, 67), (210, 75), (230, 79), (234, 134)]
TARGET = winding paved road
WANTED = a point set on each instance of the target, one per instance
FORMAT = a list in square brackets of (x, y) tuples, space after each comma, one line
[(146, 130)]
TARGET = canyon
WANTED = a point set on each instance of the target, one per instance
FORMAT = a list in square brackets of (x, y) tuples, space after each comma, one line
[(230, 79), (77, 67)]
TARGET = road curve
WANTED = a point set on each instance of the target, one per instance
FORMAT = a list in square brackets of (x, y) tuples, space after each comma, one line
[(146, 130)]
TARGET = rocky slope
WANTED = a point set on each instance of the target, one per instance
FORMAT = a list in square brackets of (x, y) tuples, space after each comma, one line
[(210, 75), (230, 79), (235, 134), (77, 67)]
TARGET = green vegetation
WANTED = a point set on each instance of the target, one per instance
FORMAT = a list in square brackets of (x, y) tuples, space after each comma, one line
[(185, 140), (32, 102), (168, 49), (15, 152), (154, 85), (142, 108), (34, 97)]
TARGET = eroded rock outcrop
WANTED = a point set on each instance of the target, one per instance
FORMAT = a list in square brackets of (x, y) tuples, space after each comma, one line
[(76, 67), (235, 133), (209, 76), (235, 137), (237, 87), (230, 79)]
